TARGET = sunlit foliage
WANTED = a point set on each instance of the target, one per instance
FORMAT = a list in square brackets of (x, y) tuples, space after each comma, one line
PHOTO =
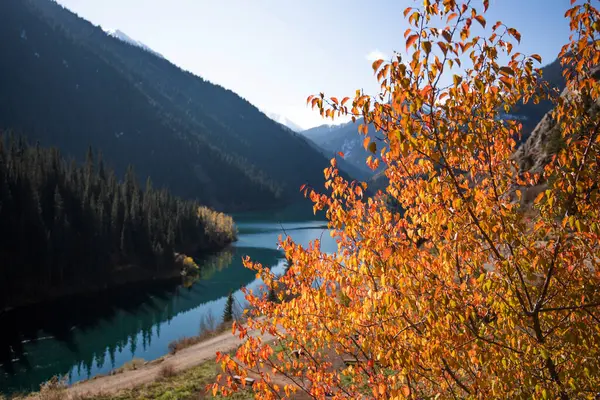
[(462, 291)]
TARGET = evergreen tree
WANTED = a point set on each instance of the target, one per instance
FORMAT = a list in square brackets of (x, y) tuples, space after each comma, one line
[(63, 224), (228, 311)]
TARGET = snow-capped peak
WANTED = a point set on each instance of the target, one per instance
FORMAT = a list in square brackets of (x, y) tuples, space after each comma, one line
[(116, 33), (283, 120)]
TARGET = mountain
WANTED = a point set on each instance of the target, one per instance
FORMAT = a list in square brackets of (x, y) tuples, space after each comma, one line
[(530, 114), (128, 39), (283, 120), (66, 83), (546, 139), (346, 139), (344, 166)]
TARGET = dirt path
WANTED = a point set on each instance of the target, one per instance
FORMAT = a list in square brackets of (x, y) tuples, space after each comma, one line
[(184, 359)]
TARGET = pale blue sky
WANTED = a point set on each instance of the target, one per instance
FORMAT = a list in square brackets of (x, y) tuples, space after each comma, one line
[(275, 53)]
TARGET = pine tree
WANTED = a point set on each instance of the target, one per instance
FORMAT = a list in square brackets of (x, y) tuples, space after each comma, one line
[(70, 224), (228, 312)]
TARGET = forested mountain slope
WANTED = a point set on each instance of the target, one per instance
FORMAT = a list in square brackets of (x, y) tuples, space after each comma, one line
[(65, 225), (65, 82), (346, 139)]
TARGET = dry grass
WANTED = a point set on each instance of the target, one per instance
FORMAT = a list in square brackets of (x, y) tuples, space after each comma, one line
[(54, 389), (187, 385), (166, 370), (134, 364)]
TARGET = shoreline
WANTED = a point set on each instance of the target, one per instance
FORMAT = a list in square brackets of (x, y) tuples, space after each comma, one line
[(183, 360), (127, 276), (75, 291)]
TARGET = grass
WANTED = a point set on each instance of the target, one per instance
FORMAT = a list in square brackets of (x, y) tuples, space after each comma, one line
[(134, 364), (187, 385), (167, 370)]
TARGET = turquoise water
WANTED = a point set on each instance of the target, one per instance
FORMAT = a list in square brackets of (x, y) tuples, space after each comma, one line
[(80, 338)]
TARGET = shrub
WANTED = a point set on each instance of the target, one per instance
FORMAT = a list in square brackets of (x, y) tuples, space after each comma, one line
[(167, 370)]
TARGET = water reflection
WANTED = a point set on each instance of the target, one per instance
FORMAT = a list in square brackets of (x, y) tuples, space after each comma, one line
[(96, 334)]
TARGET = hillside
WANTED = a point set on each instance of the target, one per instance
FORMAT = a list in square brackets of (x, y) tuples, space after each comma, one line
[(67, 227), (67, 83), (346, 167), (346, 139)]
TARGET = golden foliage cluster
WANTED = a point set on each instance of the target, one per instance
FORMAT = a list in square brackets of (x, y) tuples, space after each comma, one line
[(461, 293), (218, 227)]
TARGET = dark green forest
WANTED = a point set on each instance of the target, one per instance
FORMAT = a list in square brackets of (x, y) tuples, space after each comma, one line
[(64, 82), (69, 225)]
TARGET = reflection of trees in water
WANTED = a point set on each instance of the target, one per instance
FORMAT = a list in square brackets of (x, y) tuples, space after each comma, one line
[(39, 342), (215, 263)]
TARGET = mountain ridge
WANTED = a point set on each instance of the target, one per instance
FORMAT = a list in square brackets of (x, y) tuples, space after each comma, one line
[(191, 136), (285, 121), (119, 34)]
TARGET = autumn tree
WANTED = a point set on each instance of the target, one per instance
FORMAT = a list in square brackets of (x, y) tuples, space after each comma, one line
[(461, 290)]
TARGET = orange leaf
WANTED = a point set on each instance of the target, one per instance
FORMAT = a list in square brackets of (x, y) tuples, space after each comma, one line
[(345, 99), (447, 35), (515, 34), (451, 17), (507, 81), (405, 391), (443, 47), (377, 64), (480, 19), (358, 190), (411, 40), (366, 142)]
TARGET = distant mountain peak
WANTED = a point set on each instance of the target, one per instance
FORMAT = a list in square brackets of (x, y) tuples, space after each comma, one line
[(283, 120), (122, 36)]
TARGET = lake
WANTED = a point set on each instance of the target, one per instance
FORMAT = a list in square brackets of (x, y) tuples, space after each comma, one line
[(90, 335)]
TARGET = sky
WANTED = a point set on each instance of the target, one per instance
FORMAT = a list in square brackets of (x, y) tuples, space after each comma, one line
[(274, 53)]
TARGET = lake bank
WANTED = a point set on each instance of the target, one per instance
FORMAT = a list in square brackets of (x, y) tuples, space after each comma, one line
[(84, 338), (183, 360)]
